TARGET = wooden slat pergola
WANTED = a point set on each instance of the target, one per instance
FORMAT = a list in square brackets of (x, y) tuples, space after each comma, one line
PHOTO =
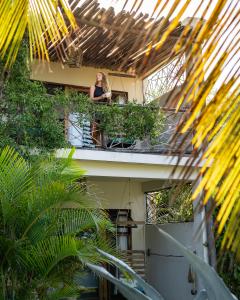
[(119, 42)]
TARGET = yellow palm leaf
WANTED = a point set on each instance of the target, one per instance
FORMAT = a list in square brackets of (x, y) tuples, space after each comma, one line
[(215, 123), (47, 22)]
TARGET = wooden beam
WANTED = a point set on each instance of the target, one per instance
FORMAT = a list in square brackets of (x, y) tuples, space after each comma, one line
[(101, 25), (121, 75)]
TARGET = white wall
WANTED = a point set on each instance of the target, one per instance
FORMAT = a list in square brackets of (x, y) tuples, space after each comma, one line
[(123, 194), (125, 170), (169, 275), (85, 76), (129, 165)]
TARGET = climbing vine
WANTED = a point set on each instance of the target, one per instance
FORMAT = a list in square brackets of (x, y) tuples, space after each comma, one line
[(30, 118), (131, 120)]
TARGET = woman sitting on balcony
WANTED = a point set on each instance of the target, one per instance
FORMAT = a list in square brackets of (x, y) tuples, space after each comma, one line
[(101, 91)]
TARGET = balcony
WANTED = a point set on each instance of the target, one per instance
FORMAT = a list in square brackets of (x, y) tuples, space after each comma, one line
[(125, 128)]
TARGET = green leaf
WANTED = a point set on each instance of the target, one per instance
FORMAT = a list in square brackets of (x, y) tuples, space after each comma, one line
[(128, 291), (148, 289)]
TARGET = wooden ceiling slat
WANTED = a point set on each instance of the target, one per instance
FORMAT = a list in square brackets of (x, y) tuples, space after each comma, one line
[(85, 7), (91, 11), (117, 41)]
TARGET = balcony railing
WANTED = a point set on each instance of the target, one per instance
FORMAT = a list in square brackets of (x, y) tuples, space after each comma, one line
[(85, 133)]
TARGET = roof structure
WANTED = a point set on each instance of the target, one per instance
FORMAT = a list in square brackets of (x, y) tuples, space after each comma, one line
[(119, 42)]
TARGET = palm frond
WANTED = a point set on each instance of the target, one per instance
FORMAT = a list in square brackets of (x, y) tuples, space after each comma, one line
[(48, 224), (47, 21), (15, 181), (216, 289), (72, 220), (13, 16), (148, 289), (210, 65), (128, 291), (45, 255), (51, 169), (66, 292)]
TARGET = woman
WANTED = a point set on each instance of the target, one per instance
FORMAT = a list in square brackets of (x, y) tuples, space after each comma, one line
[(100, 91)]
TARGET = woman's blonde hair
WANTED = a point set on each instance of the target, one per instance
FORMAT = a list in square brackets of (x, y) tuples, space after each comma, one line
[(105, 84)]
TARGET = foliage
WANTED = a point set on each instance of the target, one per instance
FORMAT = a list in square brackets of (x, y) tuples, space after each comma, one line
[(229, 269), (47, 22), (210, 43), (221, 172), (29, 117), (227, 265), (132, 121), (148, 289), (32, 119), (172, 204), (138, 290), (214, 285), (49, 227)]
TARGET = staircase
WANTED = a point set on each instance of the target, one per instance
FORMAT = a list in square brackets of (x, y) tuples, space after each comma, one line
[(136, 260)]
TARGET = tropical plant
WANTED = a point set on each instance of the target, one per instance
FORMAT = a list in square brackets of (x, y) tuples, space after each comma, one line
[(49, 227), (227, 265), (210, 43), (172, 204), (132, 121), (127, 287), (229, 269), (29, 117), (134, 287), (214, 285), (210, 46), (215, 123), (45, 22)]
